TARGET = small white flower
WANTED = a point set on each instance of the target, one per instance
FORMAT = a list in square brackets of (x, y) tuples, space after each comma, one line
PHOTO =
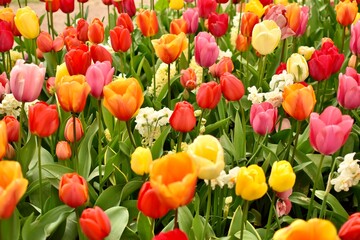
[(254, 96), (279, 81), (274, 97), (349, 173)]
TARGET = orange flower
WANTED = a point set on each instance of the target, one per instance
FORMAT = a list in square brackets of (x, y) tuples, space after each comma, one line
[(242, 43), (147, 22), (178, 25), (72, 92), (3, 139), (169, 47), (298, 101), (292, 14), (123, 98), (174, 178), (12, 186), (96, 31), (73, 190), (346, 12)]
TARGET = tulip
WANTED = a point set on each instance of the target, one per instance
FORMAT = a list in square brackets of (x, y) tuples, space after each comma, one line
[(231, 87), (178, 25), (266, 2), (4, 85), (242, 43), (218, 24), (99, 54), (125, 21), (123, 98), (224, 65), (298, 100), (191, 17), (206, 49), (282, 176), (13, 187), (8, 15), (46, 44), (63, 150), (127, 6), (174, 178), (77, 61), (67, 6), (307, 52), (297, 66), (329, 130), (171, 235), (3, 139), (94, 223), (183, 119), (43, 119), (149, 202), (263, 118), (208, 155), (5, 2), (251, 183), (96, 31), (107, 2), (27, 23), (169, 47), (304, 18), (314, 229), (248, 21), (71, 42), (97, 76), (277, 13), (82, 29), (292, 14), (61, 71), (205, 7), (52, 5), (346, 12), (188, 79), (140, 161), (73, 190), (12, 128), (72, 92), (147, 22), (176, 4), (208, 95), (283, 207), (7, 37), (69, 130), (348, 94), (26, 81), (350, 230), (256, 7), (120, 39), (265, 37), (354, 38)]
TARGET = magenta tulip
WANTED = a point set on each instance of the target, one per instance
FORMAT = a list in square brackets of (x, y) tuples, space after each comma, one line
[(206, 7), (26, 81), (329, 130), (191, 16), (354, 38), (348, 94), (98, 75), (206, 49), (263, 117), (218, 24)]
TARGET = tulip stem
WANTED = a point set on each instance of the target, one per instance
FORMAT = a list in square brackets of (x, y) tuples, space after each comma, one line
[(244, 218), (178, 147), (74, 150), (259, 145), (154, 65), (108, 13), (199, 121), (176, 224), (309, 214), (298, 128), (270, 216), (189, 49), (40, 175), (131, 136), (20, 131), (169, 87), (262, 69), (207, 214), (19, 3), (33, 46), (99, 144), (68, 20), (9, 63), (327, 190)]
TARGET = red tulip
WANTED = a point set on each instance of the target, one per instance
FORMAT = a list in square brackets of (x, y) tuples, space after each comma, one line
[(218, 23), (43, 119), (73, 190), (127, 6), (107, 2), (52, 5), (348, 94), (96, 31), (175, 234), (67, 6), (206, 7), (95, 224), (232, 88), (280, 68), (5, 2), (120, 39), (100, 54), (77, 61), (183, 119), (7, 37), (351, 228), (82, 29), (208, 95), (125, 21), (12, 128), (188, 79), (4, 85), (224, 65), (266, 2), (263, 117)]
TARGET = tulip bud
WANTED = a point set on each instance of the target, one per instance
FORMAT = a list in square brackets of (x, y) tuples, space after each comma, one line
[(232, 88), (208, 95), (96, 31), (63, 150), (297, 65), (69, 130), (94, 223), (188, 79), (183, 119), (140, 161), (12, 128), (73, 190), (282, 176)]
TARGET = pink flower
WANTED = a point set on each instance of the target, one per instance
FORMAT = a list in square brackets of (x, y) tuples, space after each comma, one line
[(206, 49), (263, 117), (283, 207), (206, 7), (348, 94), (277, 14), (98, 75), (354, 38), (304, 17), (329, 130), (4, 84), (26, 81), (191, 16)]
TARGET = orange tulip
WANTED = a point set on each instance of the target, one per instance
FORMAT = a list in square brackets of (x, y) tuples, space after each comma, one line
[(147, 22), (123, 98), (3, 139), (298, 100), (346, 12), (292, 14), (169, 47), (96, 31), (12, 186), (72, 92), (69, 130), (178, 25), (73, 190), (242, 43), (174, 178)]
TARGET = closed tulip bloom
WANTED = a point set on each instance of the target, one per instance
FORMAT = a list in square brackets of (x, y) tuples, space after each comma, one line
[(7, 37), (191, 17), (13, 186), (3, 139), (346, 12), (266, 2), (77, 61), (329, 130), (107, 2), (120, 39), (147, 22), (251, 183), (67, 6), (174, 178), (218, 23), (307, 52), (292, 14), (242, 43), (297, 66), (4, 84), (224, 65), (170, 46), (69, 130), (43, 119), (314, 229), (176, 4), (72, 93), (127, 6), (282, 176), (95, 224), (348, 94), (208, 95), (178, 25), (61, 71), (123, 98), (263, 118), (206, 49), (7, 14), (140, 161), (256, 7), (350, 230), (354, 38), (96, 31), (12, 128), (183, 119), (205, 7), (5, 2), (73, 190), (44, 42), (27, 22), (52, 5), (298, 101), (304, 18), (208, 155), (231, 87), (248, 21), (100, 54), (26, 81), (149, 202), (63, 150), (188, 79), (125, 21), (97, 76), (175, 234), (82, 29), (265, 37)]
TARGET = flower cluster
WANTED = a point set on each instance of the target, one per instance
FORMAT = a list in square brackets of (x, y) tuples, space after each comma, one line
[(349, 173), (11, 107), (224, 178)]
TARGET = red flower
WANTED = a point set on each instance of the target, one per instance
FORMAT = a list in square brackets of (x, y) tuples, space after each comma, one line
[(73, 190), (82, 29), (183, 119), (208, 95), (67, 6), (231, 87), (96, 31), (175, 234), (100, 54), (12, 128), (120, 39), (52, 5), (351, 228), (218, 24), (95, 223), (248, 21), (77, 61), (7, 37), (280, 68), (43, 119), (125, 21)]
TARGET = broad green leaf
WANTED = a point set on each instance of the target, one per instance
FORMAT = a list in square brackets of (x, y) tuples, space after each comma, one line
[(212, 127), (185, 220), (239, 139), (10, 228), (161, 5), (235, 225), (333, 202), (144, 227), (119, 218), (247, 235), (157, 148)]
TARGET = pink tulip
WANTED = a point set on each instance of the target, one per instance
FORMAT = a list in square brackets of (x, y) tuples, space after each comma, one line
[(98, 75), (191, 16), (283, 207), (284, 195), (304, 17), (263, 117), (348, 94), (354, 38), (206, 49), (26, 81), (277, 14), (4, 84), (329, 130), (206, 7)]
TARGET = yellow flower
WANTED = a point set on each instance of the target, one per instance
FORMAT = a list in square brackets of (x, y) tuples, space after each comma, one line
[(282, 2), (176, 4), (141, 160), (306, 51), (297, 65), (256, 7), (208, 155), (61, 71), (266, 37), (282, 176), (27, 22), (251, 183)]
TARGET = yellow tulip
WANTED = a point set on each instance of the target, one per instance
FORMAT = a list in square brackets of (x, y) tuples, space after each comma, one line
[(266, 37), (141, 160), (61, 71), (306, 52), (256, 7), (251, 183), (282, 2), (297, 66), (208, 155), (27, 22), (176, 4), (282, 176)]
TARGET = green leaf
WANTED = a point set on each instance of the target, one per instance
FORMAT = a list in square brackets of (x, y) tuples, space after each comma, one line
[(26, 153), (144, 227), (333, 202), (247, 235), (235, 225), (119, 218), (212, 127), (10, 228), (157, 148), (56, 170), (239, 139), (161, 5), (302, 200), (185, 220)]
